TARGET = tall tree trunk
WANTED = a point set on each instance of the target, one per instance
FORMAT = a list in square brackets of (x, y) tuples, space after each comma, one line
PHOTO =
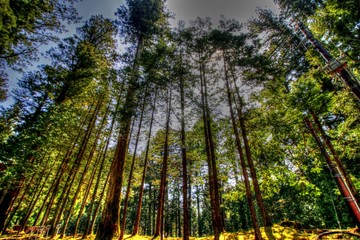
[(109, 222), (87, 191), (8, 200), (74, 170), (198, 207), (336, 157), (186, 228), (53, 190), (242, 159), (127, 194), (89, 229), (35, 199), (258, 194), (163, 182), (345, 191), (13, 211), (141, 189), (80, 184), (189, 200), (97, 209), (211, 158), (151, 212), (11, 193)]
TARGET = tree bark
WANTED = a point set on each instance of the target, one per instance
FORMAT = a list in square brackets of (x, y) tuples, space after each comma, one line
[(186, 228), (62, 168), (64, 196), (336, 156), (127, 194), (90, 224), (258, 194), (163, 182), (109, 223), (82, 178), (351, 203), (211, 158), (242, 159), (141, 189)]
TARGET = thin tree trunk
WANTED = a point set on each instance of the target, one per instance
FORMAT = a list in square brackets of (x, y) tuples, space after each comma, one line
[(141, 189), (242, 160), (10, 194), (163, 182), (13, 211), (96, 212), (186, 228), (109, 222), (123, 221), (33, 202), (90, 157), (73, 171), (258, 194), (198, 207), (150, 206), (190, 201), (210, 152), (351, 203), (57, 180), (336, 157), (87, 192), (89, 229)]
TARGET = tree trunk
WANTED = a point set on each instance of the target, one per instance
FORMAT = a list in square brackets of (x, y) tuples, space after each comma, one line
[(163, 182), (58, 178), (127, 195), (198, 207), (141, 189), (14, 210), (186, 228), (336, 157), (351, 203), (242, 159), (74, 170), (33, 202), (90, 157), (97, 209), (87, 192), (258, 194), (211, 158), (109, 223), (89, 225)]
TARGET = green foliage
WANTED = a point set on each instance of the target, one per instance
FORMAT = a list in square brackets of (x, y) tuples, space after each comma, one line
[(141, 19)]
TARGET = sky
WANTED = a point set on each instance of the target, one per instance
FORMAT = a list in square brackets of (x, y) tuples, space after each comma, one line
[(241, 10)]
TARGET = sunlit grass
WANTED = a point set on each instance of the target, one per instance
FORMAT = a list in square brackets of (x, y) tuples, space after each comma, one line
[(276, 232)]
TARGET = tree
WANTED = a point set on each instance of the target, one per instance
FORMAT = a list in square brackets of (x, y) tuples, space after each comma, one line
[(46, 91), (25, 26), (138, 20)]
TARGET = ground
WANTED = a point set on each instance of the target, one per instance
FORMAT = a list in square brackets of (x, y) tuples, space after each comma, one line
[(275, 233)]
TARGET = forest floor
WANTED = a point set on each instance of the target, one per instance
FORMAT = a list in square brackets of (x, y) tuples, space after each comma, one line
[(276, 232)]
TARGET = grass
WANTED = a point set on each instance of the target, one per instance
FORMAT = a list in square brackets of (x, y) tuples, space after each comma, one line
[(276, 232)]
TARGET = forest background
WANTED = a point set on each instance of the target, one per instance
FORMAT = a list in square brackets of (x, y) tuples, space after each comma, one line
[(133, 125)]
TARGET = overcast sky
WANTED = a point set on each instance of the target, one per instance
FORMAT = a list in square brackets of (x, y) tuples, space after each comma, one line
[(186, 10)]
